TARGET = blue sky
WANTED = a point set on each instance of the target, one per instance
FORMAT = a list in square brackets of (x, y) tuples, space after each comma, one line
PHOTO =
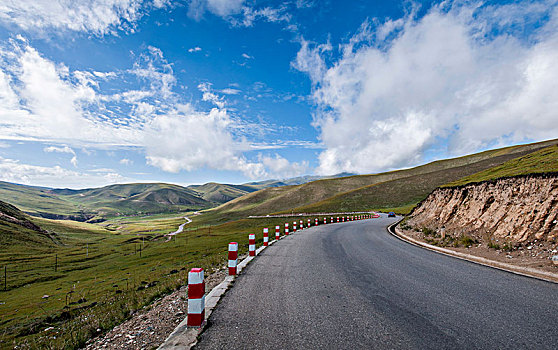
[(94, 93)]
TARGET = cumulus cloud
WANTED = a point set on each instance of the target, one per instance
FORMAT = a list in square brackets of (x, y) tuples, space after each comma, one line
[(64, 149), (189, 140), (98, 17), (280, 167), (126, 161), (42, 100), (194, 49), (459, 76), (45, 101)]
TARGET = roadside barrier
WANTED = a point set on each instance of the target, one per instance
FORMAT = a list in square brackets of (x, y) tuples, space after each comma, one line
[(196, 298), (286, 228), (338, 219), (265, 237), (309, 223), (316, 222), (301, 225), (331, 220), (277, 233), (342, 219), (294, 226), (233, 258), (325, 221), (252, 244)]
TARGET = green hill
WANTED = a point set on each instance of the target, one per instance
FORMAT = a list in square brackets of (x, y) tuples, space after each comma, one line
[(98, 203), (221, 193), (400, 189), (539, 162), (16, 228)]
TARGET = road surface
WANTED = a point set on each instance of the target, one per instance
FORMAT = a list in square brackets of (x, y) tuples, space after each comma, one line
[(354, 286)]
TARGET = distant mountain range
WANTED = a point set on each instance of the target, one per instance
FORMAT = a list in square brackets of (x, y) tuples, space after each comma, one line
[(96, 204)]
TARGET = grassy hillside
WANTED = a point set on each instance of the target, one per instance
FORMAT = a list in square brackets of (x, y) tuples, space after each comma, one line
[(539, 162), (108, 201), (221, 193), (16, 228), (400, 189)]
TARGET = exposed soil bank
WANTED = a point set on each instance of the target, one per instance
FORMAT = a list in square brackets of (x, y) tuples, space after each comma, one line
[(511, 219)]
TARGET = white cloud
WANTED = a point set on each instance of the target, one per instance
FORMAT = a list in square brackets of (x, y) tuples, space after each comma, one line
[(64, 149), (156, 70), (189, 140), (248, 57), (13, 171), (446, 78), (194, 49), (126, 161), (280, 167), (269, 14), (222, 8), (209, 96), (42, 100), (98, 17), (230, 91)]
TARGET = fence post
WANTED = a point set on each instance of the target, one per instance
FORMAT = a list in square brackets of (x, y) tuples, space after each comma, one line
[(196, 298), (252, 244), (233, 258), (265, 237)]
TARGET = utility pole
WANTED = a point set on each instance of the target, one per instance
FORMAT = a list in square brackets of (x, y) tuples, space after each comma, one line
[(56, 263)]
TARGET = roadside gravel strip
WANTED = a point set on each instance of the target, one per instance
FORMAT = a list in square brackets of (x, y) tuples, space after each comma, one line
[(354, 286), (524, 271)]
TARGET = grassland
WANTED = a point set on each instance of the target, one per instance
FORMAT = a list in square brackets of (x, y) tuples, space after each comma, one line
[(96, 275), (539, 162)]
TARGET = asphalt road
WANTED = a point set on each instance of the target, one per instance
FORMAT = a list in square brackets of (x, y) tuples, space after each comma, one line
[(354, 286)]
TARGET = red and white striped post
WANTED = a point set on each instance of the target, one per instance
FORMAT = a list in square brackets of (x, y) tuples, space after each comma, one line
[(252, 244), (301, 225), (233, 258), (325, 220), (286, 228), (331, 220), (196, 298), (316, 222), (309, 223), (294, 226), (277, 233), (338, 219), (342, 219), (266, 236)]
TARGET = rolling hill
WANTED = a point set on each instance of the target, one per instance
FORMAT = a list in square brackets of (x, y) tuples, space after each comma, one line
[(95, 204), (17, 228), (401, 189)]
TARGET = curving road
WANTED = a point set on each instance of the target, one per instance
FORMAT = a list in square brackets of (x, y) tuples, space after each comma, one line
[(352, 285)]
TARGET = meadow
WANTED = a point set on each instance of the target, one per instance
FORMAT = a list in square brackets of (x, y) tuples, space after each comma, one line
[(95, 276)]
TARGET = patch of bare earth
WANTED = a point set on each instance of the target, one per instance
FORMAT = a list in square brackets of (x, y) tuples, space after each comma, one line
[(149, 327)]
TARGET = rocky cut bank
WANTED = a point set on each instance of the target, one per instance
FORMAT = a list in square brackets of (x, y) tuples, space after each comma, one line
[(510, 213)]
